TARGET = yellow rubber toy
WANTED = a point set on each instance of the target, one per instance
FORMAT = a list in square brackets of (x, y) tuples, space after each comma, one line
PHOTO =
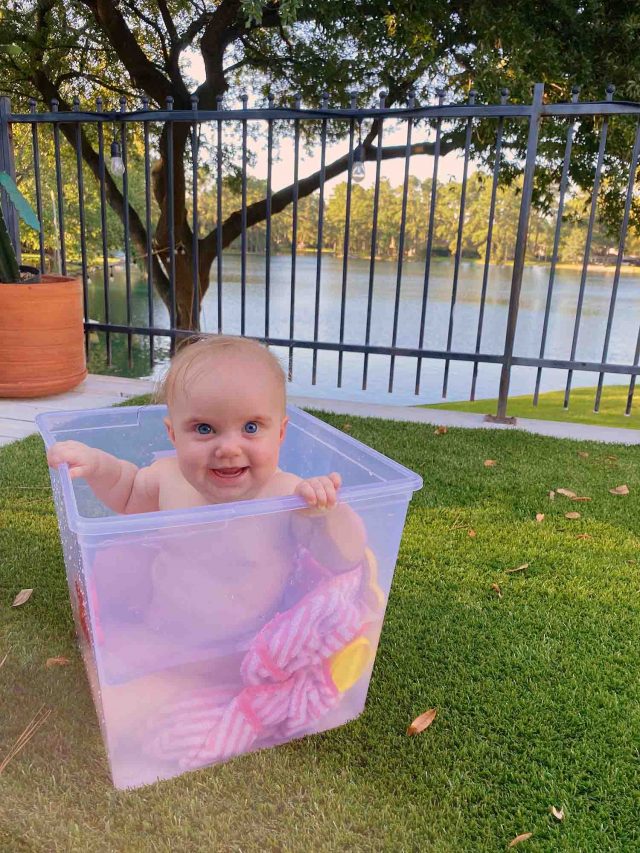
[(349, 664)]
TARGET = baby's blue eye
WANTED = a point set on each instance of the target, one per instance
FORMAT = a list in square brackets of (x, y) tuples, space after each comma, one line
[(204, 429), (251, 427)]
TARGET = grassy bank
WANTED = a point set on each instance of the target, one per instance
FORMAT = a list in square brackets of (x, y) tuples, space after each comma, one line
[(550, 407)]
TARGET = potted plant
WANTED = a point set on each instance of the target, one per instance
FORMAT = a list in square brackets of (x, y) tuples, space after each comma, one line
[(41, 319)]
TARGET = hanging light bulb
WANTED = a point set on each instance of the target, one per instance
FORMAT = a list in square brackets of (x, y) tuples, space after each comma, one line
[(117, 163), (359, 172)]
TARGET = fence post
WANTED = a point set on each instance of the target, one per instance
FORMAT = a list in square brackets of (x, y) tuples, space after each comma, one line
[(7, 164), (518, 259)]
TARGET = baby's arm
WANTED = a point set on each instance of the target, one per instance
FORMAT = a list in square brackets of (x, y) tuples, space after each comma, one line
[(334, 534), (119, 484)]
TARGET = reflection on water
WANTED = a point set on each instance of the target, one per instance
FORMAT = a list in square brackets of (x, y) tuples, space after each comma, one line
[(534, 294)]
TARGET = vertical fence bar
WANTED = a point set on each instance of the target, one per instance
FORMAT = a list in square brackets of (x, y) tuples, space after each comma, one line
[(294, 230), (587, 248), (267, 248), (564, 182), (7, 164), (403, 225), (520, 249), (60, 200), (487, 255), (458, 254), (195, 255), (632, 381), (243, 238), (35, 143), (616, 278), (345, 247), (432, 217), (127, 244), (83, 241), (320, 240), (219, 212), (374, 240), (171, 224), (103, 227), (147, 216)]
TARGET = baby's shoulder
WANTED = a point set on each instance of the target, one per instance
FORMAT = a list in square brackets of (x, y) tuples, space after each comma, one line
[(165, 468), (282, 483)]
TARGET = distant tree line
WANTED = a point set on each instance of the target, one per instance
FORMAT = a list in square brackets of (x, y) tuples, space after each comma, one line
[(604, 243)]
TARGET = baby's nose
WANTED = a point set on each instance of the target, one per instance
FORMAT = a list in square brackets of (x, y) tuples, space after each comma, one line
[(227, 448)]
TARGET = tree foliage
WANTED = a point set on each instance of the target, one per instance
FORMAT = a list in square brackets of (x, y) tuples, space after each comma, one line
[(60, 49)]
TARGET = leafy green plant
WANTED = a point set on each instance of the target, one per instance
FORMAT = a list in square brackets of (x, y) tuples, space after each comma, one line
[(9, 269)]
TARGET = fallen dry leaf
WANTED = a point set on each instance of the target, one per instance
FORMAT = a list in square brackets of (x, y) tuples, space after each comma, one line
[(523, 837), (59, 661), (422, 722), (566, 492), (518, 569), (572, 515), (611, 458), (496, 589), (346, 427), (440, 430), (552, 495), (557, 813), (21, 597), (490, 463), (580, 498), (584, 536), (583, 454), (620, 490), (472, 534), (539, 516)]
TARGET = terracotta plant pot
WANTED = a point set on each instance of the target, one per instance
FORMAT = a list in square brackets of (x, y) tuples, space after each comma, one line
[(41, 337)]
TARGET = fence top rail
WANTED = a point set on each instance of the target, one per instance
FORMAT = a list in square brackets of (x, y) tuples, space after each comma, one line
[(285, 113)]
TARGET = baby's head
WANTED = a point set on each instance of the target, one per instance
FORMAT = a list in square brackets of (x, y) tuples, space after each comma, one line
[(226, 415)]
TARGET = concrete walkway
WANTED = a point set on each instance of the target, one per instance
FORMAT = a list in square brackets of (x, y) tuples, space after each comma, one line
[(471, 420), (17, 416)]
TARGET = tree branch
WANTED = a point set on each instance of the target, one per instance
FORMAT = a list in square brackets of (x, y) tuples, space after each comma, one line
[(257, 212), (142, 71), (90, 156), (168, 22), (153, 25)]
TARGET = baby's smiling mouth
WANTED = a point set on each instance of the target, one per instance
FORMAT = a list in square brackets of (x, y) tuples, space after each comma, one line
[(228, 473)]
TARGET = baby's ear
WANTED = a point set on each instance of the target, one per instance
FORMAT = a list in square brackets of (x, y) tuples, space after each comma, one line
[(170, 432), (283, 429)]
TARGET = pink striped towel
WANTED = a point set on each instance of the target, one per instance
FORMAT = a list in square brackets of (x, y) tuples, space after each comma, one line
[(286, 676)]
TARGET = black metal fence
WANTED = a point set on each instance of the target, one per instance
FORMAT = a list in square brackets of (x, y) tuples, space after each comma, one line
[(191, 261)]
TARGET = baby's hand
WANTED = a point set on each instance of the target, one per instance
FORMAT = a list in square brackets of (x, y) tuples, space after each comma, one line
[(82, 460), (320, 492)]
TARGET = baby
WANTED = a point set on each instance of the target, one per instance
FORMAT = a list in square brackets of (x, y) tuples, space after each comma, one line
[(289, 596), (227, 420)]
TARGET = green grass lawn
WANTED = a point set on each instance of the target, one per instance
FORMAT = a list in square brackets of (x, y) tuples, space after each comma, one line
[(550, 407), (537, 691)]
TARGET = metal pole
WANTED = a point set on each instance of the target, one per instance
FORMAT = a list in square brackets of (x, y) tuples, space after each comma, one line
[(518, 260), (7, 164)]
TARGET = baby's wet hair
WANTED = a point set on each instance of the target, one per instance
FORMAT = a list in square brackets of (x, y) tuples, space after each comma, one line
[(199, 350)]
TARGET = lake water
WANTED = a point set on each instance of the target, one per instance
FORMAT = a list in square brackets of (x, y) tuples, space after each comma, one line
[(532, 303)]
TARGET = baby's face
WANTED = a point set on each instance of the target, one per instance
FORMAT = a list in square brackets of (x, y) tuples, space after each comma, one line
[(227, 426)]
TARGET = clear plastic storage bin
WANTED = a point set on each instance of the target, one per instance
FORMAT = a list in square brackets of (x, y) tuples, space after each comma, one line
[(211, 632)]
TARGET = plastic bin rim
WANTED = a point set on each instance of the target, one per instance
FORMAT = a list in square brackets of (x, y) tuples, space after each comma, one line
[(406, 483)]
